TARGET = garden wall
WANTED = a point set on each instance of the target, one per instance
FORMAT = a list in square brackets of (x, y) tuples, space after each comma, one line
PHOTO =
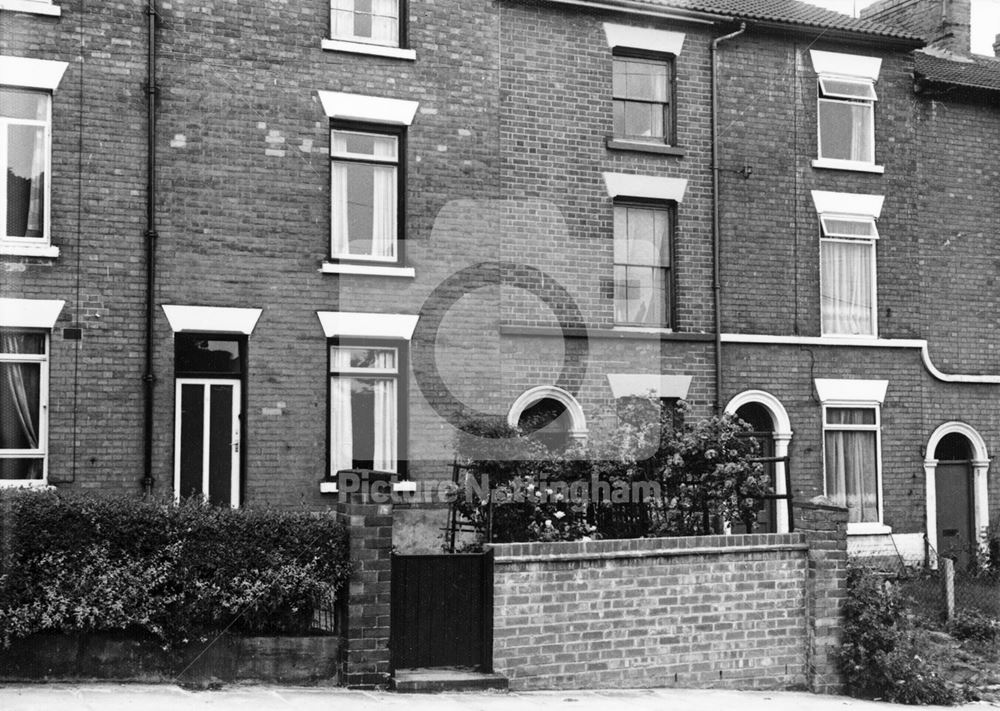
[(758, 610)]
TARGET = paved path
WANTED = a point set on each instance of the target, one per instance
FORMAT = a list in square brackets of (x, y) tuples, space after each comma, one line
[(147, 697)]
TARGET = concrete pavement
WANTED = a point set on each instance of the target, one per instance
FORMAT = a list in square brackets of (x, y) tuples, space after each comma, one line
[(148, 697)]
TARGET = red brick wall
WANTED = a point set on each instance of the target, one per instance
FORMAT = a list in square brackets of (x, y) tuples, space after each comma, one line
[(728, 611)]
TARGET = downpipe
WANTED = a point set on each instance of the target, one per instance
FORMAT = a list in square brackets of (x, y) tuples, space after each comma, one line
[(716, 248), (148, 378)]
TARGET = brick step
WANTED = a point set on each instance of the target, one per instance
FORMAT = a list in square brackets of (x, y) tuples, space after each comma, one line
[(433, 679)]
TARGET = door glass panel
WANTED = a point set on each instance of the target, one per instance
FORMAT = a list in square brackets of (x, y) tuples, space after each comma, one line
[(220, 451), (191, 444), (205, 355)]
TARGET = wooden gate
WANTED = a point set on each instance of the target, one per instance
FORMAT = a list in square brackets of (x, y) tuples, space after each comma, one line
[(442, 611)]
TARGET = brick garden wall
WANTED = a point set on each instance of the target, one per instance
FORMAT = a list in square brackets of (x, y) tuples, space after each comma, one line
[(756, 610)]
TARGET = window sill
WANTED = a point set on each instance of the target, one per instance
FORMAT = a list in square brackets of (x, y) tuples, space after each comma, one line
[(642, 329), (28, 250), (31, 6), (832, 164), (398, 487), (618, 144), (26, 483), (367, 270), (868, 529), (376, 50)]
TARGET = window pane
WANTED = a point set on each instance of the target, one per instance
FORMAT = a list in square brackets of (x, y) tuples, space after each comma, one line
[(192, 440), (25, 180), (364, 421), (364, 207), (640, 79), (21, 469), (640, 295), (641, 120), (621, 234), (20, 400), (850, 416), (199, 354), (852, 473), (846, 288), (848, 89), (847, 227), (845, 130), (364, 145), (343, 357), (21, 104), (20, 342)]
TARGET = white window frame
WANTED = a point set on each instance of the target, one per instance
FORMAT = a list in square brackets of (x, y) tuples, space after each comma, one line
[(855, 394), (41, 452), (857, 208), (864, 526), (40, 76), (355, 44), (858, 70), (396, 163), (349, 373), (33, 7)]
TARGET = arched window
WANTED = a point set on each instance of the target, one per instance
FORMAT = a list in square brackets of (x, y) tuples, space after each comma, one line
[(551, 414)]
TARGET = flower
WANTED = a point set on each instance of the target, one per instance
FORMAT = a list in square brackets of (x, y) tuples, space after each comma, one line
[(559, 514)]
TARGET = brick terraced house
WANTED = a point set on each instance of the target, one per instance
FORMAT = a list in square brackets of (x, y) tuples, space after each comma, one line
[(249, 244)]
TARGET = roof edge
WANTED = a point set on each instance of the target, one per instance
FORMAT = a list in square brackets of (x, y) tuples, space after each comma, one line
[(640, 7)]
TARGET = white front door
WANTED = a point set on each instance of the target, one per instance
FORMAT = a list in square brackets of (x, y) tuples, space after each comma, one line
[(207, 440)]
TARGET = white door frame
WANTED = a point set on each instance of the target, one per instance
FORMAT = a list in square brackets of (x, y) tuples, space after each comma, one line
[(980, 496), (234, 441)]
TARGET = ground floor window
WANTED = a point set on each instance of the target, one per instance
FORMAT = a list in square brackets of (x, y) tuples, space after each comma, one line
[(23, 396), (851, 449), (364, 407)]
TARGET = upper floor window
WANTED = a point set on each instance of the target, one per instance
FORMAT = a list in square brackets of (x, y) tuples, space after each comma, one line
[(848, 283), (846, 111), (365, 190), (642, 103), (645, 209), (642, 264), (642, 87), (367, 21), (25, 154)]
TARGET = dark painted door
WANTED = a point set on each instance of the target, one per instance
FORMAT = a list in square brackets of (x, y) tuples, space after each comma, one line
[(953, 488), (442, 611)]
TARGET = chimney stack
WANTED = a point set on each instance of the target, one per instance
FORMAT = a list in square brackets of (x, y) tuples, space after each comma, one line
[(942, 23), (996, 46)]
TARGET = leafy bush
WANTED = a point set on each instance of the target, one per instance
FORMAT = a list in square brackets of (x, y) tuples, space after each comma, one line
[(696, 477), (974, 625), (881, 651), (80, 564)]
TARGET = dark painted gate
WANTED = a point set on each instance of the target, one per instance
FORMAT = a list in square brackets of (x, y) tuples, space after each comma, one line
[(442, 611)]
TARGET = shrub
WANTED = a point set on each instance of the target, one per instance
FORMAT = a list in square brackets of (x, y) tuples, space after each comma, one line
[(974, 625), (81, 564), (881, 652), (696, 476)]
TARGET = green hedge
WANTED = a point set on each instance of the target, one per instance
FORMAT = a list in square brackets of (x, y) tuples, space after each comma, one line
[(77, 564)]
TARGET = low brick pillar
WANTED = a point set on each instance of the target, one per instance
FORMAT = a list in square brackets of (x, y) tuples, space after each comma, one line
[(364, 505), (825, 527)]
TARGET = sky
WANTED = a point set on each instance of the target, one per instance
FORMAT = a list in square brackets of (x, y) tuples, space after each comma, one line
[(985, 19)]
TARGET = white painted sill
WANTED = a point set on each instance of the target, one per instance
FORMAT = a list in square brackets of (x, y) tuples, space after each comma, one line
[(375, 50), (868, 529), (856, 166), (31, 6), (330, 487), (26, 484), (641, 329), (367, 270), (27, 250)]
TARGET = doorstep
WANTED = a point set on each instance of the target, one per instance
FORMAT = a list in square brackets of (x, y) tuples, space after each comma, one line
[(431, 679)]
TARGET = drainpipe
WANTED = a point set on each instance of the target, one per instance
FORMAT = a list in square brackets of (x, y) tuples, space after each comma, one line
[(148, 379), (716, 280)]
